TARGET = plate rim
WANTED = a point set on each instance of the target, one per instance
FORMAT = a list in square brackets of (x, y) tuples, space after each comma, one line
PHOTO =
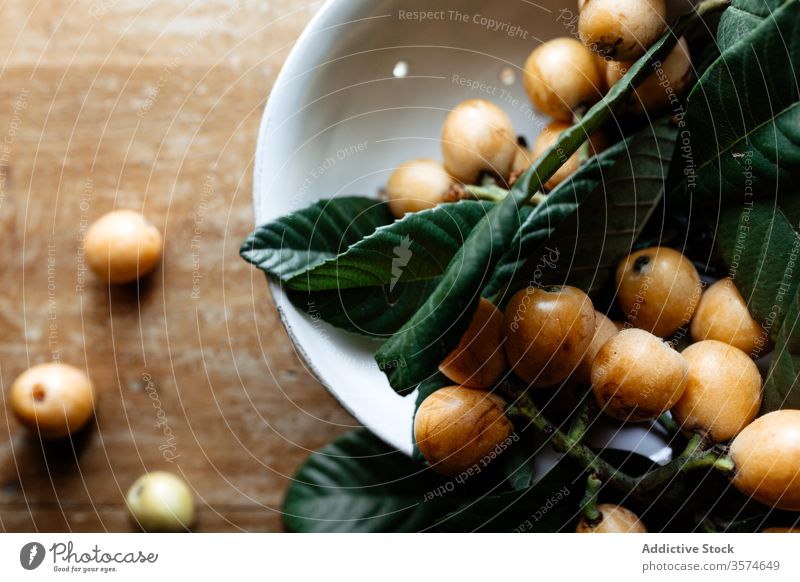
[(276, 292)]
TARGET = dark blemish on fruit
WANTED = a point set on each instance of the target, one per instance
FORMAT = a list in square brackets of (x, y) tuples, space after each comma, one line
[(640, 263), (38, 393)]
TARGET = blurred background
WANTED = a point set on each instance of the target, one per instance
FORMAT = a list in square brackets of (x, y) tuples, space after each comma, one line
[(152, 106)]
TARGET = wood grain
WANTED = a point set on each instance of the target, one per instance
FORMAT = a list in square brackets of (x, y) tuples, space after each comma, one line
[(153, 106)]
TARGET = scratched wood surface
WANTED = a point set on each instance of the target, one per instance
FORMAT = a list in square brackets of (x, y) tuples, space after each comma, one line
[(154, 106)]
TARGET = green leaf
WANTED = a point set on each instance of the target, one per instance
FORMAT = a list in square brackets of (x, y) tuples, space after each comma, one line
[(740, 514), (742, 18), (343, 231), (436, 327), (360, 484), (518, 462), (761, 246), (434, 330), (545, 217), (550, 505), (782, 386), (743, 116), (376, 312), (749, 524), (585, 249), (295, 243), (416, 248), (756, 241)]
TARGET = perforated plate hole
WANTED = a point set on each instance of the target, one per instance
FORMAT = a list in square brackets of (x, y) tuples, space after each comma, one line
[(400, 69), (507, 76)]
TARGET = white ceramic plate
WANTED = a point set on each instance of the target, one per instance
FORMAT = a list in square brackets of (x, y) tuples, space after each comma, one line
[(367, 87)]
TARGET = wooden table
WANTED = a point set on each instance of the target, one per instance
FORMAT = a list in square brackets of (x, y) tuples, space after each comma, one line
[(150, 105)]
